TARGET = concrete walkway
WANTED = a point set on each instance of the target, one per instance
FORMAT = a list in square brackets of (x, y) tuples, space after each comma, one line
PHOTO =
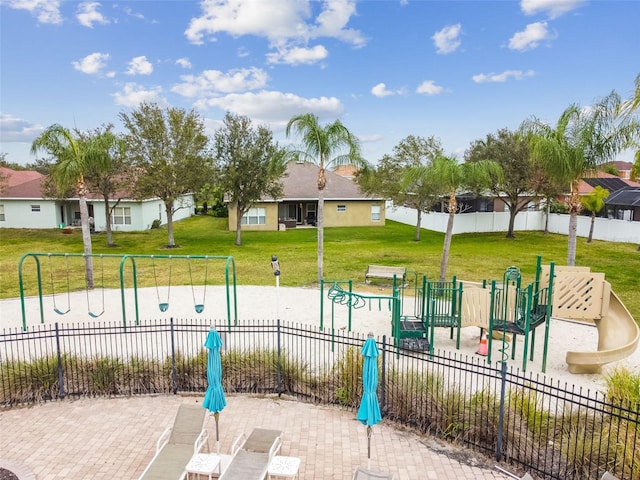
[(115, 439)]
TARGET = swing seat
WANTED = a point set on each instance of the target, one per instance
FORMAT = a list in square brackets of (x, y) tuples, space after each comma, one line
[(163, 307), (61, 312), (95, 315), (199, 308)]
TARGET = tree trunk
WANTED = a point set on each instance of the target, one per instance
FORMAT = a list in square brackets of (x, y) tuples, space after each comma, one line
[(107, 215), (418, 224), (238, 225), (453, 205), (320, 228), (169, 211), (593, 222), (512, 220), (86, 236), (547, 209), (574, 209)]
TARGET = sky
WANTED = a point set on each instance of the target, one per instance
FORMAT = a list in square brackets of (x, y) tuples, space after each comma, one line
[(387, 69)]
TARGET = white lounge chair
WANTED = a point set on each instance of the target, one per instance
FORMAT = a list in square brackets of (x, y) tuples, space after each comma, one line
[(178, 444), (608, 476), (363, 474)]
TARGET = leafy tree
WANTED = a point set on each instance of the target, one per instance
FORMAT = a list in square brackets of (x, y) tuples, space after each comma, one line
[(402, 178), (325, 146), (582, 141), (113, 176), (520, 179), (211, 196), (594, 202), (450, 176), (168, 148), (635, 169), (74, 157), (250, 163)]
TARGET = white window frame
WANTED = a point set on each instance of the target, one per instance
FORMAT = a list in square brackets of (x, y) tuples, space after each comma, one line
[(35, 208), (2, 218), (255, 216), (341, 208), (121, 216), (376, 213)]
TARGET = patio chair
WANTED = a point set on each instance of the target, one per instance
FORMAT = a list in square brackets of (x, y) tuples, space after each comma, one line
[(608, 476), (178, 444), (362, 474)]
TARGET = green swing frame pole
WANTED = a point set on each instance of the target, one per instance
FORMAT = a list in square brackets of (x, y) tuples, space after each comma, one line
[(21, 281)]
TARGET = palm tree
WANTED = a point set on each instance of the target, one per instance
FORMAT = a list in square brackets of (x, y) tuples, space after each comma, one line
[(450, 176), (594, 202), (324, 146), (109, 176), (581, 142), (74, 156)]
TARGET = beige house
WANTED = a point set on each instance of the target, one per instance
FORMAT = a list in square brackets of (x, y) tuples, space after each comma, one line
[(344, 204)]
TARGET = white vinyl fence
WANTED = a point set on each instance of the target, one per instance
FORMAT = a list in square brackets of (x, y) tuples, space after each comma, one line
[(623, 231)]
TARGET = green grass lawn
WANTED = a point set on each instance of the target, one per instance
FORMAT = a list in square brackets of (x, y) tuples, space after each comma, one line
[(348, 252)]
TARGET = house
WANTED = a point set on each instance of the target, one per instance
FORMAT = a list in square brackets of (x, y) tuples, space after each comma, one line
[(623, 202), (23, 204), (623, 168), (344, 203)]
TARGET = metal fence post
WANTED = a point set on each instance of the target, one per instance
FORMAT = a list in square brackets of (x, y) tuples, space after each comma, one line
[(503, 388), (383, 382), (61, 393), (279, 360), (174, 378)]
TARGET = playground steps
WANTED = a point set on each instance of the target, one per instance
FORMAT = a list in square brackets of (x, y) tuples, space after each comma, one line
[(415, 344)]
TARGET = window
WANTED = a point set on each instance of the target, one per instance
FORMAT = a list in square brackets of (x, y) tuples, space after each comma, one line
[(255, 216), (121, 216), (342, 208), (1, 213), (35, 208), (375, 213)]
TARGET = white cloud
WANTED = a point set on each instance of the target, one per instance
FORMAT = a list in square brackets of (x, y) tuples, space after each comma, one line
[(553, 8), (531, 37), (333, 20), (428, 87), (133, 95), (247, 17), (290, 24), (380, 91), (92, 64), (214, 82), (298, 55), (88, 14), (447, 40), (14, 129), (502, 77), (139, 66), (275, 108), (46, 11), (184, 62)]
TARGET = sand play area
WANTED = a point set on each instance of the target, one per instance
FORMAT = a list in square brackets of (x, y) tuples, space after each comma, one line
[(302, 306)]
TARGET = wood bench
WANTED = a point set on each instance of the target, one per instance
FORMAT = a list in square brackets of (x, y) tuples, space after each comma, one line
[(385, 273)]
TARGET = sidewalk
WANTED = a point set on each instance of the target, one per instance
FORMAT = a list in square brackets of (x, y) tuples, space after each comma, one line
[(115, 439)]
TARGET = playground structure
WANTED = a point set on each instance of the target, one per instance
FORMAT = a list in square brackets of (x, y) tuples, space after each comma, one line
[(505, 310), (70, 281), (586, 296)]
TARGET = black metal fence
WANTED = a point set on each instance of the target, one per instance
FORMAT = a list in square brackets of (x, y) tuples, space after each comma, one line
[(554, 431)]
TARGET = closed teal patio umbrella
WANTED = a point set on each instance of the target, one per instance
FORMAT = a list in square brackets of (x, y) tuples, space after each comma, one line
[(214, 400), (369, 411)]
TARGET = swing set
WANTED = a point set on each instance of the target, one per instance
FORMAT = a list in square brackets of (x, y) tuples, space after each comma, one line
[(163, 303)]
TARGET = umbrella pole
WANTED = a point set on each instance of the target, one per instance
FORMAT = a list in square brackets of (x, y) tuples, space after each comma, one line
[(216, 415), (369, 431)]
